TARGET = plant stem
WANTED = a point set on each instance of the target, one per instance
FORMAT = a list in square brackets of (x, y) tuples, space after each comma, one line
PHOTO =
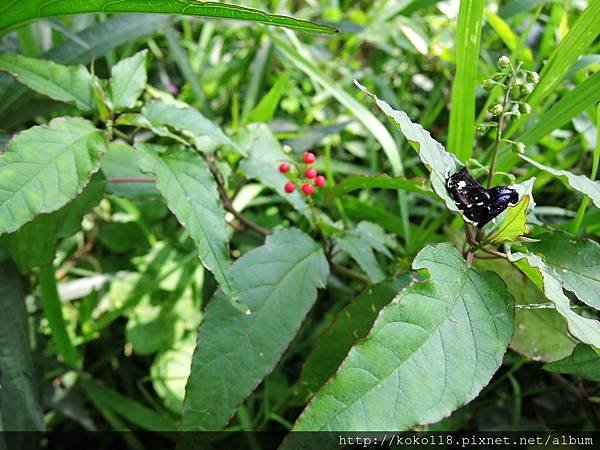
[(53, 311)]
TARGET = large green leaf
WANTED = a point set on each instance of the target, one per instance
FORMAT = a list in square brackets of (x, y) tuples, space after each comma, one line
[(187, 184), (34, 244), (461, 132), (187, 120), (45, 167), (545, 278), (580, 183), (350, 324), (128, 80), (265, 155), (584, 361), (431, 350), (16, 12), (235, 350), (67, 84), (438, 161), (382, 181), (577, 263), (19, 400)]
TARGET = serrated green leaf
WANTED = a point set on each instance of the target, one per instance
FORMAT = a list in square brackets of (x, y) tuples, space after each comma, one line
[(351, 324), (63, 83), (34, 244), (236, 350), (545, 278), (187, 184), (455, 327), (382, 181), (438, 161), (14, 13), (186, 120), (45, 167), (580, 183), (128, 80), (576, 261), (361, 251), (584, 362), (120, 163), (540, 332), (21, 408), (264, 156)]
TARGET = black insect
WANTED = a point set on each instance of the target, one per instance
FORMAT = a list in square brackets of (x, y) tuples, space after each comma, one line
[(479, 204)]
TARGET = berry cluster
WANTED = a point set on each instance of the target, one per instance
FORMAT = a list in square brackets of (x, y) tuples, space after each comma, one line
[(312, 177)]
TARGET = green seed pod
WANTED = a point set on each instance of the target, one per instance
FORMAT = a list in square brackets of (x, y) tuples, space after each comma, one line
[(487, 85), (533, 77), (518, 147), (525, 108)]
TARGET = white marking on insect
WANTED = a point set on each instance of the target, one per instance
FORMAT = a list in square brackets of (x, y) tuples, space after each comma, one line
[(462, 184)]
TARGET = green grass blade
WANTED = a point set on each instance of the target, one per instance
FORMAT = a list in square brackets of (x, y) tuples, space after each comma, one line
[(578, 39), (16, 12), (53, 313), (462, 114)]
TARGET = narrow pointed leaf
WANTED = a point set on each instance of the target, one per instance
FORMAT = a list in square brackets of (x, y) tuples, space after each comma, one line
[(236, 350), (545, 278), (576, 261), (63, 83), (45, 167), (128, 80), (584, 362), (455, 327), (187, 184), (580, 183), (14, 13), (19, 399)]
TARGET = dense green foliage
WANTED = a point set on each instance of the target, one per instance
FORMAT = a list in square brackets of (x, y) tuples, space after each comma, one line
[(170, 259)]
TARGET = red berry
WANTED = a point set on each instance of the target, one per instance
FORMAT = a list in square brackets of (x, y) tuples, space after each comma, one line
[(311, 172), (289, 187), (284, 167), (308, 189), (320, 181), (309, 157)]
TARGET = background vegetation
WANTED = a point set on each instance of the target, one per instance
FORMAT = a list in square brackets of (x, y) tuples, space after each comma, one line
[(103, 296)]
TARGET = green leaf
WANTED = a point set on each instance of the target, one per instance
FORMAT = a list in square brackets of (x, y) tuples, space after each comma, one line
[(382, 181), (453, 327), (581, 35), (130, 410), (264, 111), (545, 278), (15, 13), (461, 131), (438, 161), (187, 184), (66, 84), (361, 251), (584, 362), (186, 120), (21, 408), (575, 101), (265, 155), (120, 163), (350, 324), (33, 182), (540, 332), (34, 244), (580, 183), (514, 224), (128, 80), (576, 261), (236, 350)]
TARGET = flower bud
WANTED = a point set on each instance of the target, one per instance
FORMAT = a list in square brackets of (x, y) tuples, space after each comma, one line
[(487, 84), (518, 147), (525, 108), (496, 109), (533, 77), (481, 129), (498, 76), (527, 89), (504, 61)]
